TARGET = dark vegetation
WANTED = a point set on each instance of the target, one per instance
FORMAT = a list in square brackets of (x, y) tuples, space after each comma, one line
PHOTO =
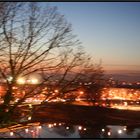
[(79, 114), (39, 40)]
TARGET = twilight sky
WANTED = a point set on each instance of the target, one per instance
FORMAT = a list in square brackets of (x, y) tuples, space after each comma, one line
[(108, 30)]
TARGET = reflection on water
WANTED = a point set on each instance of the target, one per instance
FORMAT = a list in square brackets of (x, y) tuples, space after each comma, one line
[(63, 130)]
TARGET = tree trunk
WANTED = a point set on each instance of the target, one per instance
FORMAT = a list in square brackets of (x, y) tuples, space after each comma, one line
[(5, 109)]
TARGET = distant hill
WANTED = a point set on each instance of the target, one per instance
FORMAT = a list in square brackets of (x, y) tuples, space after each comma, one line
[(124, 75)]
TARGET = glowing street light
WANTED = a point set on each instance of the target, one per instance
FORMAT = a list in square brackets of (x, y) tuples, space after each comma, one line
[(81, 92), (67, 127), (85, 129), (103, 130), (59, 124), (21, 81), (54, 124), (50, 125), (56, 91), (39, 127), (10, 78), (125, 103), (34, 81), (11, 133), (109, 133), (119, 131), (26, 130), (30, 106), (124, 128), (80, 127), (29, 118)]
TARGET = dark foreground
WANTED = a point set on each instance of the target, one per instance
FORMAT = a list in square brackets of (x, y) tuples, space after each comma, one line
[(74, 121), (84, 114)]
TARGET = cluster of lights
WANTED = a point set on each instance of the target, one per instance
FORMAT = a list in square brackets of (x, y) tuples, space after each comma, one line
[(29, 81), (108, 133), (121, 94), (35, 131), (58, 100), (119, 131), (39, 127), (128, 83), (67, 128)]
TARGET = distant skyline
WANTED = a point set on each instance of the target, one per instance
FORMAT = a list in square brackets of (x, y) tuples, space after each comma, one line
[(109, 31)]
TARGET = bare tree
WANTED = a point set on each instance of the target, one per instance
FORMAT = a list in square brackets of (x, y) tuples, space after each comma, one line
[(37, 39), (77, 74)]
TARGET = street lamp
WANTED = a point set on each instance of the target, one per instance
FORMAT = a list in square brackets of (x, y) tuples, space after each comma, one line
[(10, 78), (21, 81)]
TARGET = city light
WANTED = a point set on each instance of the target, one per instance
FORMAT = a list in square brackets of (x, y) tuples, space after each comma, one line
[(34, 81), (29, 118), (81, 92), (125, 103), (39, 127), (124, 128), (103, 130), (109, 133), (54, 124), (14, 87), (11, 133), (29, 81), (77, 99), (67, 128), (26, 130), (10, 78), (56, 91), (30, 106), (119, 131), (21, 81), (85, 129), (120, 94), (59, 124), (80, 127), (50, 125)]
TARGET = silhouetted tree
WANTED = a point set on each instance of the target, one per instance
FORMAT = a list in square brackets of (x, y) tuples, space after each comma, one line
[(37, 39)]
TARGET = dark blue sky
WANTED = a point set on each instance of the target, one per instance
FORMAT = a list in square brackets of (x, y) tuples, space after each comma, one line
[(108, 30)]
